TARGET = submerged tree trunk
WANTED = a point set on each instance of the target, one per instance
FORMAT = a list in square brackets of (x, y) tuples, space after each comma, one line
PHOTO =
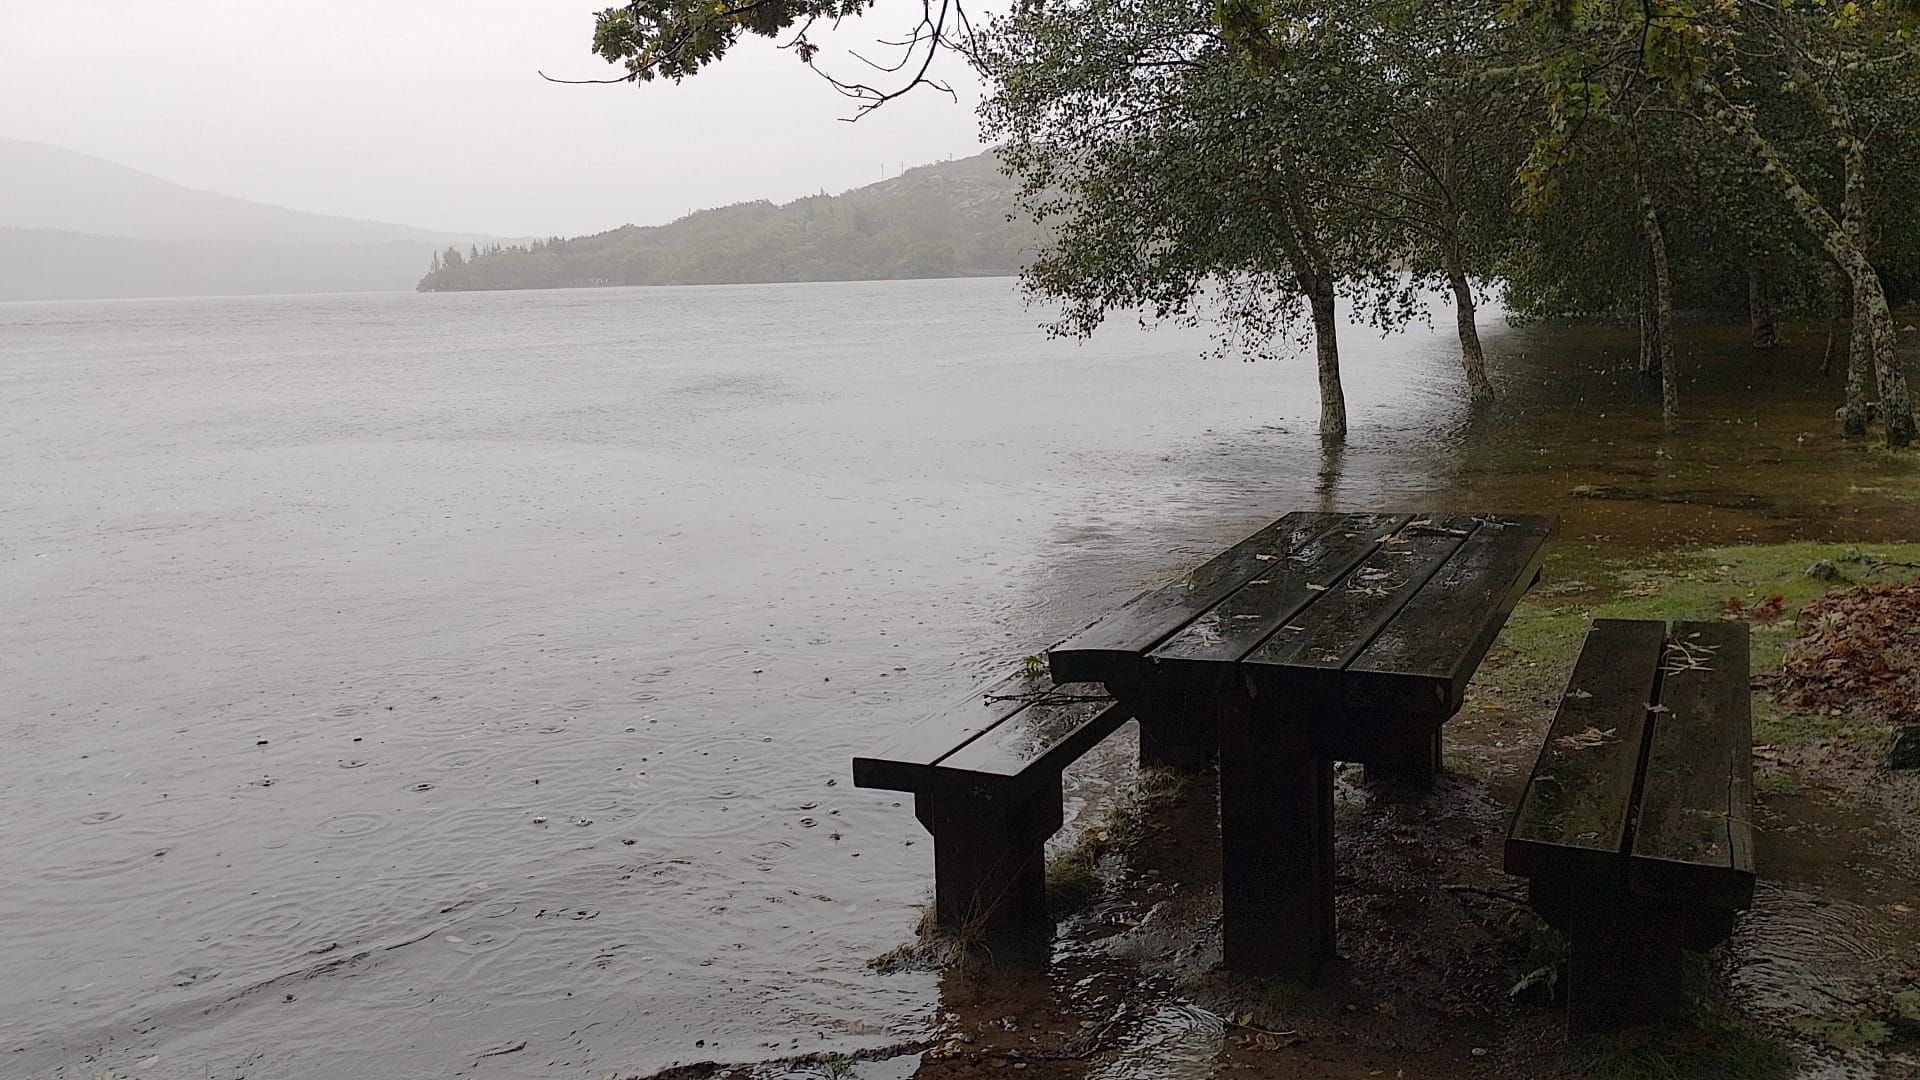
[(1472, 358), (1837, 293), (1760, 306), (1326, 349), (1649, 328), (1662, 312)]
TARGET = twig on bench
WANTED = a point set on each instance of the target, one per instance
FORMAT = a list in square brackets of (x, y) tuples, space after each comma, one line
[(1684, 657), (1491, 894), (1046, 697)]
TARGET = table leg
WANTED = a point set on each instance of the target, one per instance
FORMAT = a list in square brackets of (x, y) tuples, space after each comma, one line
[(1276, 836), (1176, 728), (1419, 766)]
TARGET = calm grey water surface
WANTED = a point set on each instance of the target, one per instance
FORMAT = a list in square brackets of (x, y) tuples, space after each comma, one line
[(389, 679)]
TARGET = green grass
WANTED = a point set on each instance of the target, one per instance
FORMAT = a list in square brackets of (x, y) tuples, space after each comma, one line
[(1073, 874), (1536, 651)]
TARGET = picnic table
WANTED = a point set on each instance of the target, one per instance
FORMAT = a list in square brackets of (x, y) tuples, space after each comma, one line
[(1320, 638)]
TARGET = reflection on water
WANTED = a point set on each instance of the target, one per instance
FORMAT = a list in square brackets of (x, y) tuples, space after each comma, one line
[(389, 680)]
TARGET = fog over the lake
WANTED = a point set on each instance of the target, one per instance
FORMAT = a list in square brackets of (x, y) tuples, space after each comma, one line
[(431, 112)]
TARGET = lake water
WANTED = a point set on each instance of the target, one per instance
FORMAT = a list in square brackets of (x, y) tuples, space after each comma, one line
[(386, 680)]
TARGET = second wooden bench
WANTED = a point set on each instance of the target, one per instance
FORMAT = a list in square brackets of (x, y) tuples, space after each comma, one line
[(1634, 830)]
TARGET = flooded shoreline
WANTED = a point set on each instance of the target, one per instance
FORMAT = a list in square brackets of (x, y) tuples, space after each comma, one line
[(392, 680)]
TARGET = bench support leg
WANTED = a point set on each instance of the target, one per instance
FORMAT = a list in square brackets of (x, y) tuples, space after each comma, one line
[(1276, 836), (1418, 767), (1176, 729), (1625, 964), (990, 866)]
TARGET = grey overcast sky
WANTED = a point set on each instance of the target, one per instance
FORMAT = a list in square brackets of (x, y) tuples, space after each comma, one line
[(429, 112)]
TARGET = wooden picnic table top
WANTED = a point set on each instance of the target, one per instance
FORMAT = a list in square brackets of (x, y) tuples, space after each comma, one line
[(1342, 614)]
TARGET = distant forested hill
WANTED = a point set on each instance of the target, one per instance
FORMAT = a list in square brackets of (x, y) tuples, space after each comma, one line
[(944, 220)]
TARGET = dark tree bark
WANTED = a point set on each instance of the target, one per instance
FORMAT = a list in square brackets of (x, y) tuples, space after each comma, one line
[(1837, 293), (1649, 325), (1656, 240), (1326, 350), (1760, 306)]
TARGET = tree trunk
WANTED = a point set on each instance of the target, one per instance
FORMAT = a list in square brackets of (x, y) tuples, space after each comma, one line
[(1663, 312), (1326, 349), (1479, 390), (1854, 415), (1845, 244), (1896, 406), (1649, 326), (1760, 306), (1837, 292)]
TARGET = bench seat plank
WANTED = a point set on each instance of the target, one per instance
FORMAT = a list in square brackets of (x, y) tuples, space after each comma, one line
[(1117, 639), (1439, 638), (1693, 840), (906, 762), (1578, 804), (1038, 742), (1233, 627)]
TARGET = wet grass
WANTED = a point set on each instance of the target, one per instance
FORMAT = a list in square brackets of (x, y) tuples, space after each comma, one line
[(1711, 1047), (1074, 874), (1585, 582)]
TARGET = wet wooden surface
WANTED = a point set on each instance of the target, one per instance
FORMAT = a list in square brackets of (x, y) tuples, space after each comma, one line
[(1578, 804), (1634, 828), (1693, 839), (1022, 725), (1268, 653)]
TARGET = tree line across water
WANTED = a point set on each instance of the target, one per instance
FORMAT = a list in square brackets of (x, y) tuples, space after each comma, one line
[(955, 219), (1249, 162)]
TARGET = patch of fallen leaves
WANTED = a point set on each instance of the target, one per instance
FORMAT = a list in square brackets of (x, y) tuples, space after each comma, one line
[(1858, 651)]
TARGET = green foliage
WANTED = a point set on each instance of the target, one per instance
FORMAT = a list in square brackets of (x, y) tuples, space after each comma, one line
[(677, 38), (1190, 178)]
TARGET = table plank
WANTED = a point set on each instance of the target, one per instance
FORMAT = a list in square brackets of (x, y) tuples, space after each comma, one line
[(1347, 616), (1244, 618), (1117, 640), (1693, 839), (1579, 801), (1425, 656)]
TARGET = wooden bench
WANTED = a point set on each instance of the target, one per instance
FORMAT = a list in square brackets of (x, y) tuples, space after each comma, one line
[(1634, 829), (985, 778)]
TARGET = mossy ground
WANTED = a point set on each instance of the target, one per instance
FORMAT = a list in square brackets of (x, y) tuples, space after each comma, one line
[(1584, 582)]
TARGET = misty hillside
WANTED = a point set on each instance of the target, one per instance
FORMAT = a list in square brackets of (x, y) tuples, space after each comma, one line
[(45, 264), (74, 227), (46, 187), (944, 220)]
